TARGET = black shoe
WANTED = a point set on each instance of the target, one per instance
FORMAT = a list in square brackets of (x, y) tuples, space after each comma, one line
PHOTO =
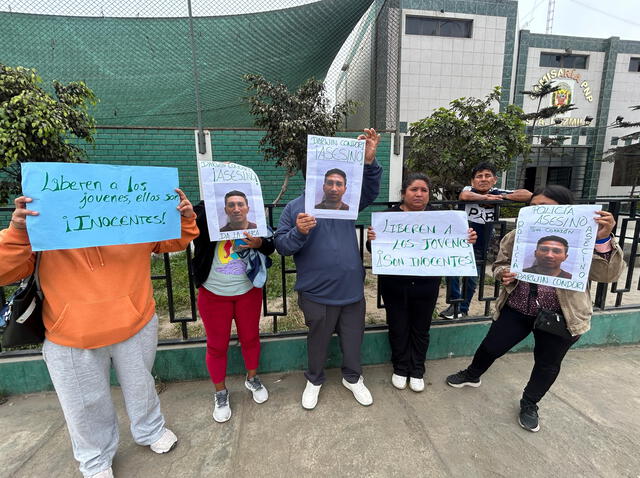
[(528, 418), (449, 313), (462, 378)]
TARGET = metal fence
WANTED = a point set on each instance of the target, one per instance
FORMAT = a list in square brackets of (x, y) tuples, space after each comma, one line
[(621, 295)]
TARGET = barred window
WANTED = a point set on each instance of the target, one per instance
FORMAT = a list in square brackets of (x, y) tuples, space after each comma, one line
[(442, 27), (626, 171), (563, 60)]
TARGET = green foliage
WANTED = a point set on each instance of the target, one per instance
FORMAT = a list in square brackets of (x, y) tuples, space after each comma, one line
[(35, 126), (179, 282), (450, 142), (288, 117), (274, 277)]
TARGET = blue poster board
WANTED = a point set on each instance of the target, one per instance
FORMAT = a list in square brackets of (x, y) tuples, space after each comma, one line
[(87, 205)]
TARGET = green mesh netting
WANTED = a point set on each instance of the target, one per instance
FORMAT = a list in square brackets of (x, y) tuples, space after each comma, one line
[(141, 68)]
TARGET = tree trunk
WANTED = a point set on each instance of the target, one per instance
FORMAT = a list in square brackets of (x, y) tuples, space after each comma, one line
[(284, 187)]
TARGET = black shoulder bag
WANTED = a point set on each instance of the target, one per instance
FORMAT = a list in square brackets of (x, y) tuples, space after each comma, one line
[(548, 320), (22, 313)]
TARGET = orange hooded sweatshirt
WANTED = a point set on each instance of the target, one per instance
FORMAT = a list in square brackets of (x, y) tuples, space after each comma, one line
[(95, 296)]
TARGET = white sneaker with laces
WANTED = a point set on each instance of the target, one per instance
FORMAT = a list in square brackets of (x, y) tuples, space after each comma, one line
[(166, 442), (310, 396), (399, 381), (360, 391), (108, 473), (257, 389), (221, 406), (416, 384)]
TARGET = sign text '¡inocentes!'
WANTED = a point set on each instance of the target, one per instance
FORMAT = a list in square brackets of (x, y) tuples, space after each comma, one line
[(88, 223)]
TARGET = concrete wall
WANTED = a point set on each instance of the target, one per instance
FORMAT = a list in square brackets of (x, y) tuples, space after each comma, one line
[(436, 70), (177, 363), (592, 75), (625, 93)]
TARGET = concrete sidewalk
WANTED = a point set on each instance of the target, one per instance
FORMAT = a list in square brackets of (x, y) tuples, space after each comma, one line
[(590, 427)]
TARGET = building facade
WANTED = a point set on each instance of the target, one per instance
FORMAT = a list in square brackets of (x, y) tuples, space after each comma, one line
[(451, 49)]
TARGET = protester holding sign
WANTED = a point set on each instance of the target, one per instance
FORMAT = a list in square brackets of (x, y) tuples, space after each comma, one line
[(481, 217), (98, 311), (409, 301), (230, 275), (520, 302), (330, 276)]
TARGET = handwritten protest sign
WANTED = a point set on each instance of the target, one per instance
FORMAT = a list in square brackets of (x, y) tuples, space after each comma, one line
[(429, 243), (86, 205), (233, 200), (554, 245), (334, 176)]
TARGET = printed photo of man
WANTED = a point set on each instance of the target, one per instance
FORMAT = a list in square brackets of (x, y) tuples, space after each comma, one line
[(550, 253), (333, 188), (236, 207)]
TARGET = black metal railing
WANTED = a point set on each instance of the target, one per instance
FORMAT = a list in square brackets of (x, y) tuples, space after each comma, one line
[(625, 210)]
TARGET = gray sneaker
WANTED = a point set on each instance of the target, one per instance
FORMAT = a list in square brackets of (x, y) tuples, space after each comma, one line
[(221, 407), (257, 389)]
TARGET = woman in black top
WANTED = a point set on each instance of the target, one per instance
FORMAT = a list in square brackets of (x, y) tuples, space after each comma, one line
[(230, 275), (410, 300)]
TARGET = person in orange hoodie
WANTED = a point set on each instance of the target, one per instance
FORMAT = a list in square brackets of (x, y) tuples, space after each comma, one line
[(98, 310)]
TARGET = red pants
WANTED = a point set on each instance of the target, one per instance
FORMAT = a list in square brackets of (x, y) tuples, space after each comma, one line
[(217, 312)]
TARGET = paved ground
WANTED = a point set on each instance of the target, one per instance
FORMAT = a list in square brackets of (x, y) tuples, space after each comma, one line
[(590, 427)]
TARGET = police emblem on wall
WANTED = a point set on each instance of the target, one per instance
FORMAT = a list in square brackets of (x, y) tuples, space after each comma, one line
[(563, 96)]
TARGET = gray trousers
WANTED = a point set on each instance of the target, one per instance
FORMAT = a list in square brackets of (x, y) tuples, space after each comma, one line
[(323, 320), (81, 379)]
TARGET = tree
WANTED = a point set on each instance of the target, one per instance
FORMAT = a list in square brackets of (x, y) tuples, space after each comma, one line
[(288, 117), (628, 151), (35, 126), (450, 142)]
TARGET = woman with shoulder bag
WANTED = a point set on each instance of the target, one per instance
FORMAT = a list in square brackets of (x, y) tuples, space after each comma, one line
[(98, 312), (410, 300), (516, 312), (230, 275)]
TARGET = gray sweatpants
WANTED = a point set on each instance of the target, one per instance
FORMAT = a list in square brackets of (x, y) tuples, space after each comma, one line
[(81, 380), (323, 320)]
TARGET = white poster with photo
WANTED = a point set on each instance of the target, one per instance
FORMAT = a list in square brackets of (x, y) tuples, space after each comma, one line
[(425, 243), (334, 177), (554, 245), (233, 200)]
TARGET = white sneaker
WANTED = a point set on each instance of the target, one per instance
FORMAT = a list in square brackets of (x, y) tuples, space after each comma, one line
[(310, 396), (221, 407), (108, 473), (258, 390), (416, 384), (360, 391), (399, 381), (166, 442)]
